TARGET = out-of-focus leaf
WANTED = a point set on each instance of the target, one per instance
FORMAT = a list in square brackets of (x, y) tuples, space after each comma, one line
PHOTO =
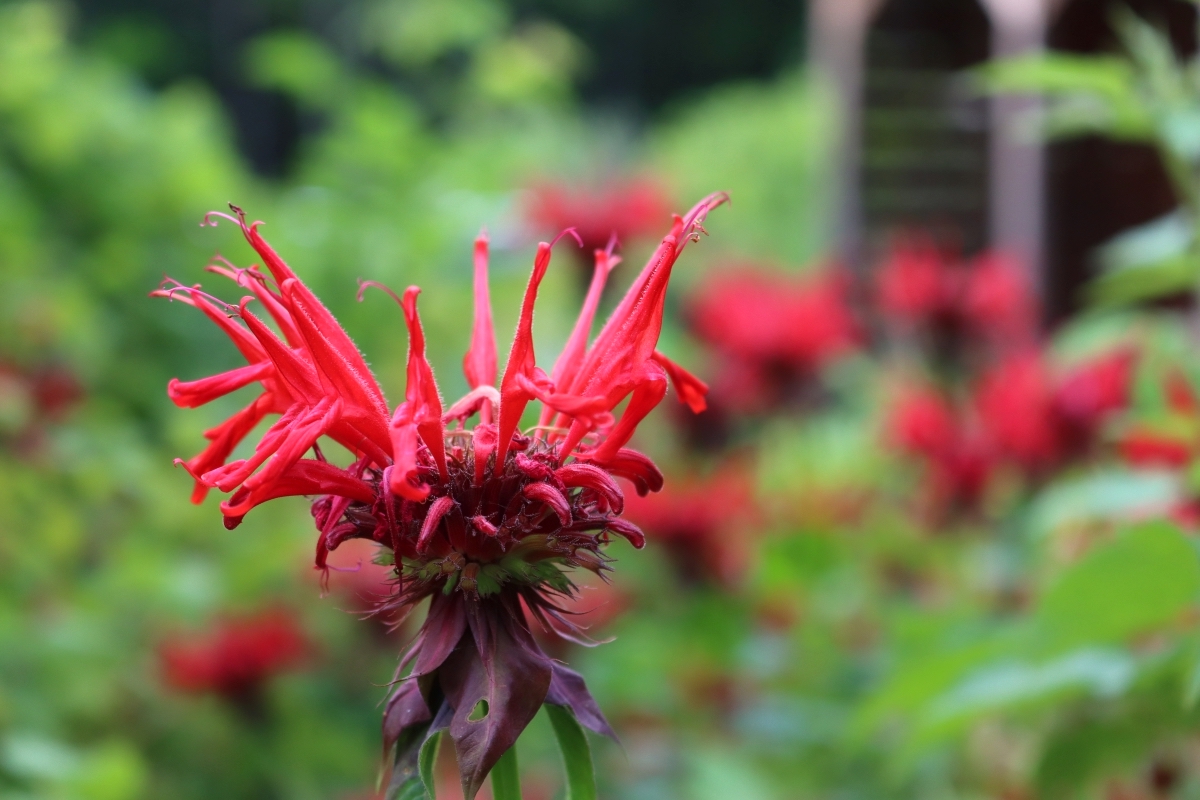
[(1148, 281), (1158, 240), (1112, 494), (416, 32), (1085, 94), (1013, 684), (576, 752), (296, 64), (1144, 579)]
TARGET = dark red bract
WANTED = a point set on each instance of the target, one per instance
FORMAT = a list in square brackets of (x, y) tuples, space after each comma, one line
[(486, 520)]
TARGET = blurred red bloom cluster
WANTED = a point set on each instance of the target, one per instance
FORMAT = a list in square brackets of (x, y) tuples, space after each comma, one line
[(771, 332), (627, 209), (236, 655), (988, 296), (32, 397)]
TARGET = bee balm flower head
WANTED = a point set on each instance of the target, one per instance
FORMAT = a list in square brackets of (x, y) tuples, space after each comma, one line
[(485, 520)]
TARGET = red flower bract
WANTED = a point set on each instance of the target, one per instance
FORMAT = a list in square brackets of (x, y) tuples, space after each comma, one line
[(483, 520)]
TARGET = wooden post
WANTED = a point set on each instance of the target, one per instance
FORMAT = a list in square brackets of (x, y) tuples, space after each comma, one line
[(837, 31)]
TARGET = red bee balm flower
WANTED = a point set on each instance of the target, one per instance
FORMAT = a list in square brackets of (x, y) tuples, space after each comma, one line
[(770, 329), (988, 297), (483, 520), (628, 210), (958, 460), (236, 657), (1040, 420)]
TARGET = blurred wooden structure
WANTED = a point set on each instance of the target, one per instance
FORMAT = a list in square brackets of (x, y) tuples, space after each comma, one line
[(920, 151)]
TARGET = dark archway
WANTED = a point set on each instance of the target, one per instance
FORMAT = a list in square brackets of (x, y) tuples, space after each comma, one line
[(1096, 188), (925, 142)]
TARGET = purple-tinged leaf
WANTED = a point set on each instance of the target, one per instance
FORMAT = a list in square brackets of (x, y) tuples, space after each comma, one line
[(506, 670), (443, 628), (567, 688)]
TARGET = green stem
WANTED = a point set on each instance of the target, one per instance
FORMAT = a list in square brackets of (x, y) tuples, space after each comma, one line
[(506, 778)]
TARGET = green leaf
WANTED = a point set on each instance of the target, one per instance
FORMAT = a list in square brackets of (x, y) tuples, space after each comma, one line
[(1103, 495), (1143, 580), (577, 753), (426, 760), (506, 777), (421, 785)]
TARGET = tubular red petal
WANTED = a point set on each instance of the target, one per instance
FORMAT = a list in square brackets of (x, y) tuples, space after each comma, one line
[(691, 389), (256, 282), (433, 518), (647, 394), (573, 352), (484, 525), (623, 527), (635, 467), (404, 479), (479, 365), (552, 497), (338, 362), (225, 437), (421, 394), (304, 477), (296, 373), (521, 361), (589, 476), (193, 394)]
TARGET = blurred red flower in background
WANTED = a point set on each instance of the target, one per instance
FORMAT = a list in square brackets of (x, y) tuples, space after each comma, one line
[(770, 330), (988, 296), (236, 656), (706, 522), (1040, 420), (32, 398), (958, 459), (629, 209)]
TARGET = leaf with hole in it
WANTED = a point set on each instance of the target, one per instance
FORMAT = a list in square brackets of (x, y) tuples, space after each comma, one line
[(576, 752), (496, 679)]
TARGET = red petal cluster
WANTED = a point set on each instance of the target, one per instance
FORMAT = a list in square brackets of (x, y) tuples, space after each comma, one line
[(770, 329), (988, 296), (1021, 413), (236, 656), (626, 210), (705, 521)]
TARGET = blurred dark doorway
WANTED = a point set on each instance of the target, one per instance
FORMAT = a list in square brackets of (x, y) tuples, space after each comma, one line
[(925, 159), (1097, 188)]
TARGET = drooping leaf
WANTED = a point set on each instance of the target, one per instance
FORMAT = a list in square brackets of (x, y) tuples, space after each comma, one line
[(567, 688), (498, 669), (576, 752)]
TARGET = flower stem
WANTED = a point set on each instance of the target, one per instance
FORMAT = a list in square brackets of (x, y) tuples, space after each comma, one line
[(506, 779)]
